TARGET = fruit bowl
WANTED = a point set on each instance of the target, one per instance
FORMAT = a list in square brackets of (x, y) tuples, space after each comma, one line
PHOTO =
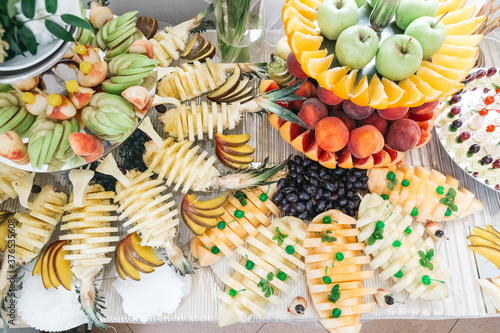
[(468, 127), (403, 94)]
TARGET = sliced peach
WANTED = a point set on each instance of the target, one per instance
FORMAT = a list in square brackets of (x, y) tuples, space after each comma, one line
[(99, 16), (268, 85), (28, 84), (363, 163), (208, 204), (84, 144), (145, 254), (13, 148), (139, 97), (328, 159), (345, 159), (303, 141), (274, 120), (425, 137), (82, 97), (91, 55), (380, 159), (244, 150), (65, 110), (237, 159), (396, 156), (40, 104), (142, 46), (95, 155), (96, 75), (233, 140), (289, 131)]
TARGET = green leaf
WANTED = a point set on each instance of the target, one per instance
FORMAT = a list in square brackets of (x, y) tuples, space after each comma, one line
[(430, 266), (76, 21), (270, 276), (371, 240), (451, 193), (28, 8), (14, 47), (10, 6), (421, 254), (267, 294), (429, 254), (453, 207), (391, 184), (422, 262), (51, 7), (328, 232), (444, 201), (58, 31), (28, 39), (495, 86)]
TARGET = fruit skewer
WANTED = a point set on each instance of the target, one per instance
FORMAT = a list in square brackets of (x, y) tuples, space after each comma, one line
[(187, 122), (88, 227)]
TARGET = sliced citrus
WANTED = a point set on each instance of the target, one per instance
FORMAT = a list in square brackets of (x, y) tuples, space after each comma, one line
[(328, 79), (361, 95), (344, 87), (378, 97), (394, 93), (438, 82), (316, 66), (470, 41), (294, 24), (454, 62), (313, 4), (300, 42), (458, 51), (304, 10), (303, 57), (363, 163), (450, 6), (412, 95), (459, 15), (468, 27), (452, 74), (429, 93)]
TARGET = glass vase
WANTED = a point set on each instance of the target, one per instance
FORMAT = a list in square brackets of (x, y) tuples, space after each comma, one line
[(240, 29), (382, 14)]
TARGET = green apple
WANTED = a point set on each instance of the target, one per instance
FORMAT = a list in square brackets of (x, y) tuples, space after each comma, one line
[(356, 46), (398, 57), (334, 16), (409, 10), (360, 3), (372, 2), (430, 33), (282, 49)]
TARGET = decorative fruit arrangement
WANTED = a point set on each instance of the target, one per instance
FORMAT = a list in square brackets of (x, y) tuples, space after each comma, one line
[(309, 189), (263, 270), (54, 269), (426, 195), (243, 213), (469, 127), (334, 271), (486, 242), (200, 215), (233, 150), (491, 293), (8, 175)]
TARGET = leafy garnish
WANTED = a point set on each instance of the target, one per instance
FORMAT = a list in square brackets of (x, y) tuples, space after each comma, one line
[(270, 276), (495, 86), (391, 184), (267, 289), (279, 237), (327, 238), (334, 294), (425, 259), (449, 199), (242, 197)]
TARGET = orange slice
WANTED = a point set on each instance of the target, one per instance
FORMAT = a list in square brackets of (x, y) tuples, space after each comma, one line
[(316, 66), (450, 6), (437, 81), (454, 62), (361, 96), (304, 10), (378, 97), (412, 95), (304, 57), (344, 87), (458, 51), (300, 42), (328, 79), (313, 4), (294, 24), (452, 74), (394, 93), (459, 15), (470, 41), (468, 27), (429, 93)]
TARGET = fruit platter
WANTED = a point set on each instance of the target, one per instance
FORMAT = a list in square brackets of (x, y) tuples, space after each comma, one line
[(309, 184)]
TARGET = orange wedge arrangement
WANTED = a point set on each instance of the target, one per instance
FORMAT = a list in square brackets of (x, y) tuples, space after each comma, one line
[(439, 78)]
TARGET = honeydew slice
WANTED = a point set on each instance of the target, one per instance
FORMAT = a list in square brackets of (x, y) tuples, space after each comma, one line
[(287, 241), (241, 297), (267, 262), (231, 307), (272, 253)]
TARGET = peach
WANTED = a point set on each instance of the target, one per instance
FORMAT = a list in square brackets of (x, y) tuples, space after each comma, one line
[(28, 84), (355, 111), (85, 144), (139, 97), (142, 46), (425, 137), (425, 108), (364, 141), (99, 16), (375, 120), (312, 111), (307, 89), (348, 122), (40, 104), (65, 110), (332, 134), (82, 97), (328, 159), (13, 148), (294, 67), (403, 135), (268, 85), (328, 97), (97, 75), (95, 155), (345, 159), (423, 117), (393, 113), (91, 56), (289, 131)]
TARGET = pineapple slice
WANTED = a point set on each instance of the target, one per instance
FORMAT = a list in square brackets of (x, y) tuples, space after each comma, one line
[(263, 270), (338, 264), (8, 176), (424, 193)]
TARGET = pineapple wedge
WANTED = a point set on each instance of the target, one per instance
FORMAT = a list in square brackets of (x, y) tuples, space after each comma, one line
[(8, 175)]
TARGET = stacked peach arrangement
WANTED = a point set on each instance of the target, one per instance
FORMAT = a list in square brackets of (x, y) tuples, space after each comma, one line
[(380, 73)]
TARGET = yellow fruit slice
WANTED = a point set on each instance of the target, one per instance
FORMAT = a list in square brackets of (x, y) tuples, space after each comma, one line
[(429, 93), (316, 66), (344, 87), (328, 79), (438, 82), (394, 93), (458, 51), (452, 74), (459, 15), (304, 10), (313, 4), (454, 62), (300, 42), (304, 57), (468, 27), (294, 24), (470, 41), (450, 6), (361, 96), (378, 97), (412, 95)]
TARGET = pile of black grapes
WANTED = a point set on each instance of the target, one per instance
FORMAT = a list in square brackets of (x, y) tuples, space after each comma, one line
[(310, 189)]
